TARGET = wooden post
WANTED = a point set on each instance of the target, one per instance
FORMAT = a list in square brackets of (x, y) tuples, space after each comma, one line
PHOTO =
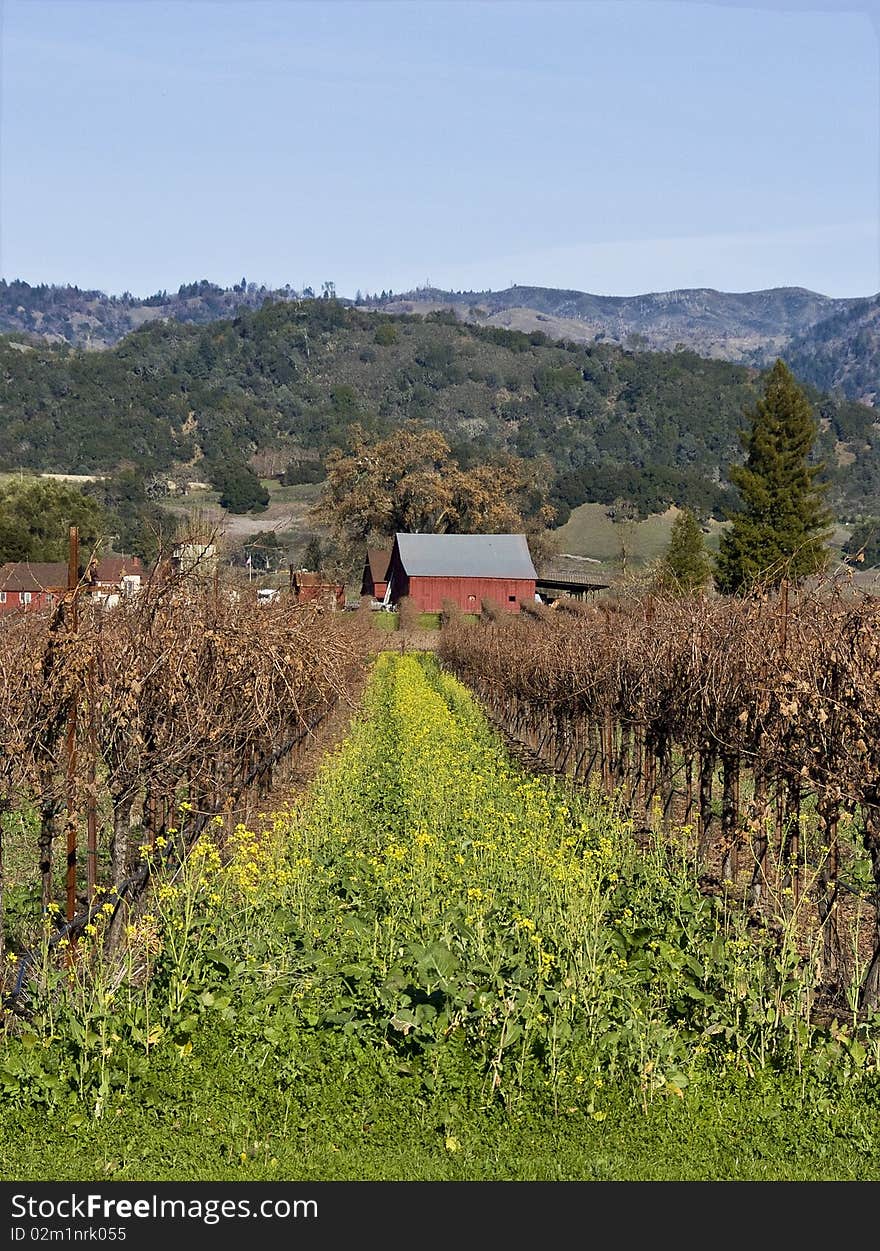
[(729, 816), (70, 737), (91, 795), (707, 770)]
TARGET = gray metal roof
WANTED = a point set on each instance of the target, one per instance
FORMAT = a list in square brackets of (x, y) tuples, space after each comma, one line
[(465, 555)]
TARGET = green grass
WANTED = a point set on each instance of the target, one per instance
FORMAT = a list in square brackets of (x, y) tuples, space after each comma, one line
[(300, 493), (303, 494), (439, 968), (349, 1112), (387, 621), (589, 531)]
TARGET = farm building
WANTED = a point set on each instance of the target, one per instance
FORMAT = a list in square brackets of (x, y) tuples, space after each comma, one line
[(375, 580), (116, 575), (463, 569), (28, 585), (314, 588), (194, 558), (569, 577)]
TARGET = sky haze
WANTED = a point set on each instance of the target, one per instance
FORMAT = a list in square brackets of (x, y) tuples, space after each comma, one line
[(614, 148)]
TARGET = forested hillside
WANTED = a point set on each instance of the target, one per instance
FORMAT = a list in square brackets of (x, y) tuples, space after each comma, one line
[(746, 326), (842, 353), (832, 342), (92, 319), (291, 378)]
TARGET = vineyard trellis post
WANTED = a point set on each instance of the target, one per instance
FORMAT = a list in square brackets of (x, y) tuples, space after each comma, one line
[(92, 791), (70, 742)]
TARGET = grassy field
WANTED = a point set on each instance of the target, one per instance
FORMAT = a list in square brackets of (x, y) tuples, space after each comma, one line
[(589, 531), (433, 967), (286, 512)]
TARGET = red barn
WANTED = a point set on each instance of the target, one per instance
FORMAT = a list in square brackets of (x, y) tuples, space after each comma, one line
[(28, 585), (314, 588), (375, 580), (464, 569)]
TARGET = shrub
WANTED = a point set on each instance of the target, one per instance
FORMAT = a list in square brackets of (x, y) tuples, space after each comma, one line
[(386, 335)]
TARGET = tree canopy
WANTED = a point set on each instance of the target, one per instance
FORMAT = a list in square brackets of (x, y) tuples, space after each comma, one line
[(36, 515), (412, 482), (291, 377), (685, 565), (781, 531), (241, 491)]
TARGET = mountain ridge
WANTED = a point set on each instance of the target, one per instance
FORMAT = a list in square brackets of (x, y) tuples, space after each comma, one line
[(831, 342), (287, 381)]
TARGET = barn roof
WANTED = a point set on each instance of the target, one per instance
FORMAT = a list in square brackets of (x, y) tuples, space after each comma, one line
[(465, 555), (115, 568), (572, 571), (377, 560), (33, 575)]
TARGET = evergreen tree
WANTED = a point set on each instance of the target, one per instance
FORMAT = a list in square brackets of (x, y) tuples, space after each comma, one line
[(313, 556), (685, 565), (781, 530), (863, 545), (241, 491), (36, 515)]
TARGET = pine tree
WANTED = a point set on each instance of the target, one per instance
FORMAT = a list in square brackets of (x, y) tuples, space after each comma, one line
[(685, 565), (781, 531)]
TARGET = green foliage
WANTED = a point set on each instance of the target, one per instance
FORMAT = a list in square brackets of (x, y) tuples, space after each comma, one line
[(241, 491), (265, 550), (657, 428), (313, 555), (685, 565), (385, 334), (556, 384), (781, 530), (863, 545), (442, 968), (137, 522), (650, 489), (35, 517), (300, 471)]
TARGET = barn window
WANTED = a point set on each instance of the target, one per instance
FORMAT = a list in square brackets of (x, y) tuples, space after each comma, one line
[(511, 599), (26, 597), (2, 597)]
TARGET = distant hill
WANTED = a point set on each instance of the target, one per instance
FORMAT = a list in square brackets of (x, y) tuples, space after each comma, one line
[(842, 352), (752, 326), (835, 343), (91, 319), (284, 383)]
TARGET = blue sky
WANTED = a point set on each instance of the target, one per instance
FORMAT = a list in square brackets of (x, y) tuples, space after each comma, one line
[(614, 147)]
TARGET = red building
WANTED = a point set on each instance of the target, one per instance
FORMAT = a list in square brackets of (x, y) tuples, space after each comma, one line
[(118, 574), (313, 588), (28, 585), (375, 580), (464, 569)]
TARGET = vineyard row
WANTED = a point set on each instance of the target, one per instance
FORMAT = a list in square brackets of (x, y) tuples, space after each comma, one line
[(729, 717)]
